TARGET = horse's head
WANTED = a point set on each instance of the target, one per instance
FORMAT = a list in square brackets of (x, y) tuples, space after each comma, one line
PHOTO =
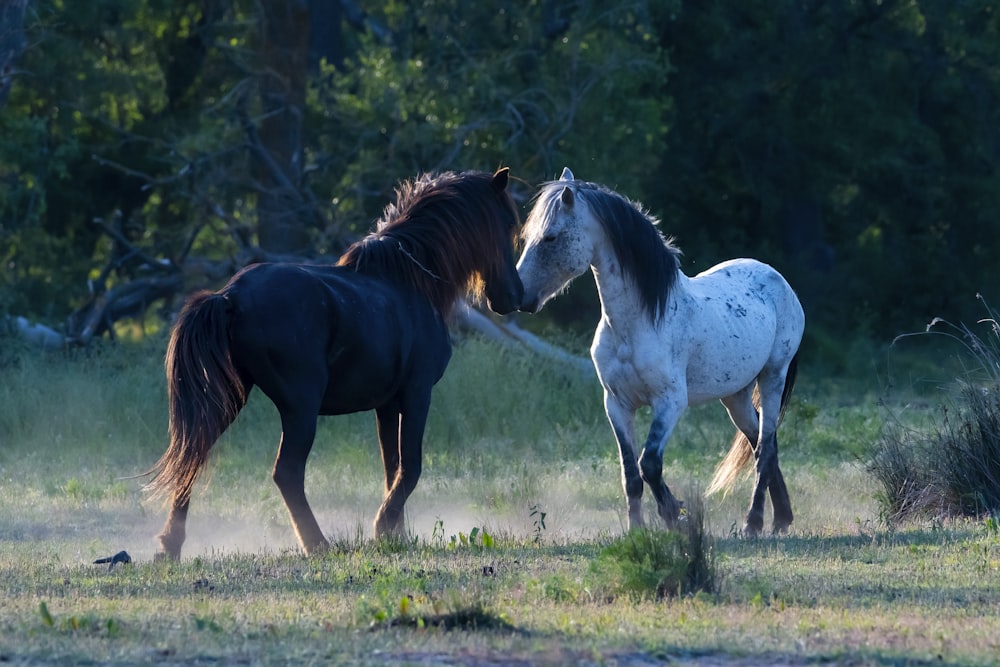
[(502, 284), (558, 242)]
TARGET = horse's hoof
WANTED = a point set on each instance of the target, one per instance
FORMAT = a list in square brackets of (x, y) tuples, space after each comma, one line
[(317, 549), (780, 528), (753, 529)]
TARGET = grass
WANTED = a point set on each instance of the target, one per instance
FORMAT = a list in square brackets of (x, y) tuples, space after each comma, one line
[(842, 587), (950, 466)]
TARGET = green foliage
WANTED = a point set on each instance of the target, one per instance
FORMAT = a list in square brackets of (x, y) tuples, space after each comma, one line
[(853, 146), (468, 86), (476, 539), (136, 112), (655, 563), (850, 144)]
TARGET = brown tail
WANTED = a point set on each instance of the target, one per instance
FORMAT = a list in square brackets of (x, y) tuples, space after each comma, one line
[(741, 451), (204, 391)]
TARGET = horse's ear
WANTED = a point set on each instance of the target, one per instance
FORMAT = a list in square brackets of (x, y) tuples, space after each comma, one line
[(500, 178), (567, 197), (567, 175)]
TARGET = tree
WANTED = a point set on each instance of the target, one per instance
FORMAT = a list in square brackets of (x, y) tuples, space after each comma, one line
[(12, 42), (196, 133), (855, 145)]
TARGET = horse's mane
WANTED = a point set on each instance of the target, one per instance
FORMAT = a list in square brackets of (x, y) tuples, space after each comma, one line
[(440, 235), (648, 259)]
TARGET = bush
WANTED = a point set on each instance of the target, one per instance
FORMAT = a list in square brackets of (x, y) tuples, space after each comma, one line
[(658, 563), (954, 467)]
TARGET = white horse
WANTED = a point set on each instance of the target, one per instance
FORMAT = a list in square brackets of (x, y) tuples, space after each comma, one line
[(669, 341)]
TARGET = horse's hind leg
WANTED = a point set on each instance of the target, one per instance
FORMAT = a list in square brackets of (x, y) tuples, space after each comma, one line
[(173, 533), (769, 477), (779, 499), (745, 416), (298, 429)]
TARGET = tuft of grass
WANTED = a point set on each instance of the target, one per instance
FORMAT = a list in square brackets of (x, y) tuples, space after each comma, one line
[(951, 467), (646, 563)]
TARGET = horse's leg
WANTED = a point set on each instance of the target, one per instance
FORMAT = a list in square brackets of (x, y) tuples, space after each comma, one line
[(666, 412), (743, 414), (745, 417), (623, 424), (780, 501), (768, 474), (387, 419), (173, 534), (412, 419), (298, 429)]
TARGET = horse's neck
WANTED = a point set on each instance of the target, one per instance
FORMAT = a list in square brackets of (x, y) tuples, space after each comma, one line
[(621, 304)]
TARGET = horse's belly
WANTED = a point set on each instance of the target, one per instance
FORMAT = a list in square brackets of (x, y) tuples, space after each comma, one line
[(723, 375)]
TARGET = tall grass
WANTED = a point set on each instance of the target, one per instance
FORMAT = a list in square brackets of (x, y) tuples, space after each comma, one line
[(951, 467), (653, 563)]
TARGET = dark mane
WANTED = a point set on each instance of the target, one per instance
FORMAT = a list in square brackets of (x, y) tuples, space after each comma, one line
[(648, 259), (443, 232)]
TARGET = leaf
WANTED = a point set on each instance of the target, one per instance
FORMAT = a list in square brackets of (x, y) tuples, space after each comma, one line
[(43, 610)]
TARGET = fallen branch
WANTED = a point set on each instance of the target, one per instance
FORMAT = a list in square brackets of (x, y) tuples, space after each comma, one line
[(472, 319)]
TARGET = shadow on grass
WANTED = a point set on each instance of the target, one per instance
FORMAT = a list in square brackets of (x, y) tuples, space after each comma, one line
[(473, 619)]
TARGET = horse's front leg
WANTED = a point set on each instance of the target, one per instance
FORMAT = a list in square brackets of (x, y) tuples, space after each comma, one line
[(389, 520), (387, 420), (623, 424), (665, 415)]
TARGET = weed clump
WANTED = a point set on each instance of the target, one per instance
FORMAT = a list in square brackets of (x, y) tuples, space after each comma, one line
[(953, 468), (658, 563)]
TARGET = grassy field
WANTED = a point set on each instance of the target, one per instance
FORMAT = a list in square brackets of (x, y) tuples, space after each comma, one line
[(520, 498)]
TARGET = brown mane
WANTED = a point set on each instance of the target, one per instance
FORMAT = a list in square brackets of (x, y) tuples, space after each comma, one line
[(440, 236)]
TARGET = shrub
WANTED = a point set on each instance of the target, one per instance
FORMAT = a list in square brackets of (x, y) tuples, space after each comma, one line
[(952, 468), (649, 562)]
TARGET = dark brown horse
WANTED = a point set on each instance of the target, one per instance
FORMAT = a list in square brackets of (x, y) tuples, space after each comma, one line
[(366, 334)]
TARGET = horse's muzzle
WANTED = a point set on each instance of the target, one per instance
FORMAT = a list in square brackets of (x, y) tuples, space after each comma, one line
[(529, 304), (501, 309)]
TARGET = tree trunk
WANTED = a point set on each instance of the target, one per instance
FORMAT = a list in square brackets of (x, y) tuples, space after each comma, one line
[(282, 216)]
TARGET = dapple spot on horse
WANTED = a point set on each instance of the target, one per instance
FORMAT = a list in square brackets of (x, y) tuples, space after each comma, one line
[(367, 334), (669, 341)]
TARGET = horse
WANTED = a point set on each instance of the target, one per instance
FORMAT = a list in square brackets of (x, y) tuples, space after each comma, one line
[(368, 333), (667, 341)]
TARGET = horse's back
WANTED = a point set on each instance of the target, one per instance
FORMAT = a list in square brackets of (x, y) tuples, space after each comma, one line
[(356, 339), (745, 316), (753, 295)]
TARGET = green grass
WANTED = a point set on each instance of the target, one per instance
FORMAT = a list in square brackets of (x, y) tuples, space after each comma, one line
[(484, 578)]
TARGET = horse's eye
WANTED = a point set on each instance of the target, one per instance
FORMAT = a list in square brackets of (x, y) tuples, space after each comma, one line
[(549, 238)]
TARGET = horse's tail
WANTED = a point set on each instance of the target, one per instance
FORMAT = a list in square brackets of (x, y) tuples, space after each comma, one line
[(204, 392), (741, 451)]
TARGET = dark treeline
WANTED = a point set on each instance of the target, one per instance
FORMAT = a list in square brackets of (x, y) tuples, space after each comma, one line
[(853, 145)]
